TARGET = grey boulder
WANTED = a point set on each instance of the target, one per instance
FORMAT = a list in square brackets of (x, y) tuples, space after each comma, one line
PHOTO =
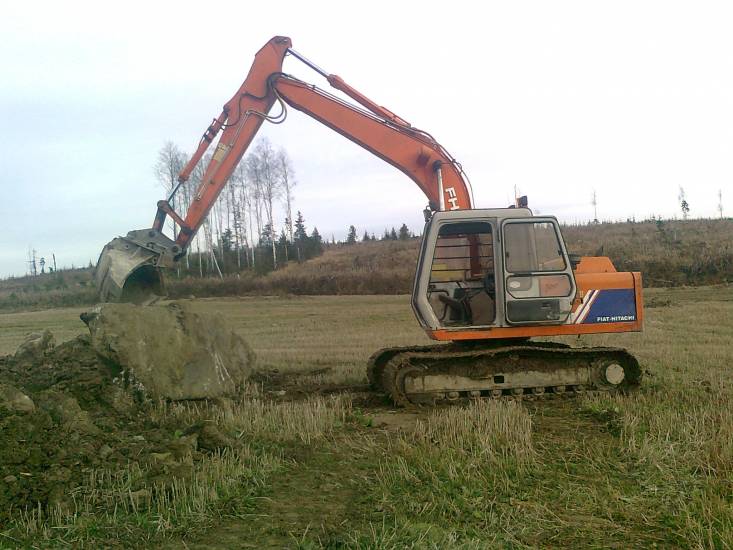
[(170, 351)]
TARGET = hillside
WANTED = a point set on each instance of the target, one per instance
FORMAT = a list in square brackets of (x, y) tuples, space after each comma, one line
[(63, 288), (668, 253), (378, 267)]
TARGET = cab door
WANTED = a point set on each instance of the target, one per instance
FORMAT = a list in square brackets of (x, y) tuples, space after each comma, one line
[(539, 286)]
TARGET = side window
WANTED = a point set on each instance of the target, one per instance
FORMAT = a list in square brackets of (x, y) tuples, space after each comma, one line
[(464, 252), (543, 286), (461, 291), (531, 247)]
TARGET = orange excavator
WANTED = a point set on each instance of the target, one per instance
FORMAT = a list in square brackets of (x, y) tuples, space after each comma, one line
[(487, 280)]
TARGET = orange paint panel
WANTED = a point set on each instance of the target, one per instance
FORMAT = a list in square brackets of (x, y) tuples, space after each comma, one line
[(532, 331), (601, 281), (595, 264)]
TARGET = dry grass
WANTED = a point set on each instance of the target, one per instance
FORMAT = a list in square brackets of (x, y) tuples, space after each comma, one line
[(447, 472), (111, 498), (655, 467), (686, 452), (159, 509), (669, 252), (296, 334), (383, 267), (14, 327), (487, 430), (250, 418)]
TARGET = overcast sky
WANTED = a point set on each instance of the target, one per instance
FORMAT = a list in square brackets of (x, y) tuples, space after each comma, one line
[(630, 99)]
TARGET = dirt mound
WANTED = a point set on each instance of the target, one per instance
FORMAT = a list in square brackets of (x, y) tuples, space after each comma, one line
[(68, 412)]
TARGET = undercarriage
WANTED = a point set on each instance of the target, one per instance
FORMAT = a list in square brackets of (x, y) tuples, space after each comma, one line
[(430, 375)]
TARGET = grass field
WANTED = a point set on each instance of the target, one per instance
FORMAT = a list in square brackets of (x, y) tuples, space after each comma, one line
[(348, 470)]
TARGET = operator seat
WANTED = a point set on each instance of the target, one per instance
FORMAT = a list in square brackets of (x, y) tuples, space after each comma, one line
[(483, 309)]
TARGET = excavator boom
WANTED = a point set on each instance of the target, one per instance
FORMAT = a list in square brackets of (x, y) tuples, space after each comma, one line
[(129, 265)]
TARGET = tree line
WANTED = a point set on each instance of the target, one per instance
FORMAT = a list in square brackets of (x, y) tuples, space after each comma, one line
[(251, 225), (403, 234)]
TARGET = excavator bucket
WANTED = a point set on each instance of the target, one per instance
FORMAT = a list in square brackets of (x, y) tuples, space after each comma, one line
[(129, 268)]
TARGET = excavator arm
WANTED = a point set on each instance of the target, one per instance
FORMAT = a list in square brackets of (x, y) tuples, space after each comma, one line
[(128, 266), (375, 128)]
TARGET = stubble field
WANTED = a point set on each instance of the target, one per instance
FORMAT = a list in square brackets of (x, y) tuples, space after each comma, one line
[(321, 462)]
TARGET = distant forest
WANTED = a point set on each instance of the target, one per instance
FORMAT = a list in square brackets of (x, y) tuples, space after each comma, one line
[(667, 252)]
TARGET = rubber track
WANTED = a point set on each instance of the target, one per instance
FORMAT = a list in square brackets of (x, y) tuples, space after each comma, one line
[(381, 357), (436, 358)]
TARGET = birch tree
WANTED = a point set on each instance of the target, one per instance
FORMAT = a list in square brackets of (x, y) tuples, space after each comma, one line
[(254, 177), (287, 182), (263, 170)]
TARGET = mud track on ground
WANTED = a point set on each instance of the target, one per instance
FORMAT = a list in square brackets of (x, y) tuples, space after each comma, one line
[(300, 385)]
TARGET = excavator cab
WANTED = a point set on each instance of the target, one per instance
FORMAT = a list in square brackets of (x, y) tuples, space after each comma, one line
[(492, 268)]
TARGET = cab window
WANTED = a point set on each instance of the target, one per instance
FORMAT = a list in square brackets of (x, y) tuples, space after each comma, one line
[(462, 286), (532, 247)]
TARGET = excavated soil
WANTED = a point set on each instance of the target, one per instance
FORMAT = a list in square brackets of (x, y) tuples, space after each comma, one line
[(78, 414), (91, 405)]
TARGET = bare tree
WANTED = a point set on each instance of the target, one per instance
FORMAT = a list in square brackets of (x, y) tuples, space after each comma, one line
[(187, 192), (684, 206), (243, 191), (209, 239), (254, 177), (720, 203), (248, 199), (263, 178), (245, 211), (186, 195), (32, 269), (287, 182), (236, 221), (263, 170), (215, 219)]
